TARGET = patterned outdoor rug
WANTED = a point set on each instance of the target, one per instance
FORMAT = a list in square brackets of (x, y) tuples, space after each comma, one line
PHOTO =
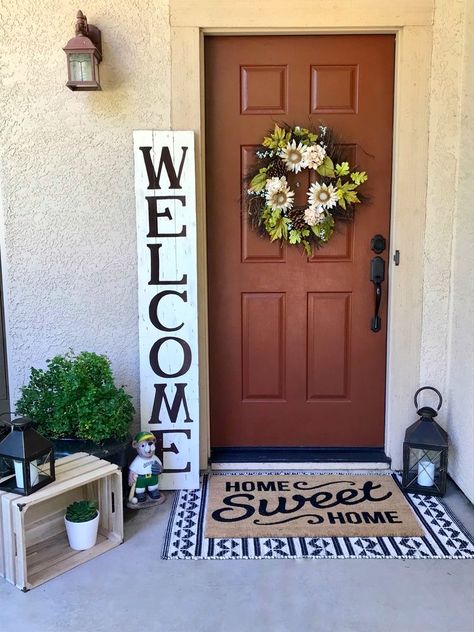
[(444, 536)]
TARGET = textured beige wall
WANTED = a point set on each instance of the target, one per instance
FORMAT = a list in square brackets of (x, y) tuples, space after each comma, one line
[(460, 380), (66, 191), (447, 352), (444, 115), (66, 178)]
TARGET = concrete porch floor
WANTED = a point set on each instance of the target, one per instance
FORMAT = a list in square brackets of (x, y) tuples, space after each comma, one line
[(131, 588)]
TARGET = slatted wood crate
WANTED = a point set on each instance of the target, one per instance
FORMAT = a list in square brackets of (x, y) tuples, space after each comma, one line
[(34, 546)]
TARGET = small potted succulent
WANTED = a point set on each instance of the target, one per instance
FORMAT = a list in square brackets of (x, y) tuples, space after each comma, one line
[(82, 523)]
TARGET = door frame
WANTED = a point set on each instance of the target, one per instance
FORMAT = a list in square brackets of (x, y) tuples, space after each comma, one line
[(411, 21)]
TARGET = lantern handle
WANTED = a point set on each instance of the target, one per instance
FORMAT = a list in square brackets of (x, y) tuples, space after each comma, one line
[(428, 388)]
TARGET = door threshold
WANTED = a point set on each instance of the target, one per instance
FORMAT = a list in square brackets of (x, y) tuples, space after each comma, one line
[(297, 467), (278, 458)]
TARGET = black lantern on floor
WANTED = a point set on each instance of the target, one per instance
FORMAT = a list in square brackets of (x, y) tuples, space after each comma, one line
[(30, 456), (425, 452), (84, 54)]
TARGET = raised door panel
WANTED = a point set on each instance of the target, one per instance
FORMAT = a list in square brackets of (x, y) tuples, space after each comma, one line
[(263, 346)]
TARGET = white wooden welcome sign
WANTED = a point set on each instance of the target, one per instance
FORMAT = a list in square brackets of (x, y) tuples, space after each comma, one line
[(167, 290)]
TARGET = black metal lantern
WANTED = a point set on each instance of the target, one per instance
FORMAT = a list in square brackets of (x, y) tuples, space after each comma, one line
[(84, 54), (425, 452), (30, 456)]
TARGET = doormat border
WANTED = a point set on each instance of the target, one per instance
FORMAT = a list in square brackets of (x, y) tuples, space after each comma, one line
[(445, 536)]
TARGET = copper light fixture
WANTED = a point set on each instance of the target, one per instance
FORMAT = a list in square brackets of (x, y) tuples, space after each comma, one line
[(84, 54)]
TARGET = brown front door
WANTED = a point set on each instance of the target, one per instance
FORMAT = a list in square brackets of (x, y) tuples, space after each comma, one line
[(293, 360)]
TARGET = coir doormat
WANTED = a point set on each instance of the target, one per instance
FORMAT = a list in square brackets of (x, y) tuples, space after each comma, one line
[(307, 506), (442, 536)]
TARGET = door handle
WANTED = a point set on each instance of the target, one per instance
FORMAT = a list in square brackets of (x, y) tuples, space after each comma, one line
[(377, 276)]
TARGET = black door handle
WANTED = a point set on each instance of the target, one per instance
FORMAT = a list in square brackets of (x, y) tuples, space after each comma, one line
[(377, 276)]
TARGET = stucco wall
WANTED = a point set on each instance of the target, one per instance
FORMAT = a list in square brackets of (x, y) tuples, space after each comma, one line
[(66, 191), (461, 333), (447, 352), (444, 131), (66, 179)]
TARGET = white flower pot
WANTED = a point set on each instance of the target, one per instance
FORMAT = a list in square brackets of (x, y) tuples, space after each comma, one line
[(82, 535)]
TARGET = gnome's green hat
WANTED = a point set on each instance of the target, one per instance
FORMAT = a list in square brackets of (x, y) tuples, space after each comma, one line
[(143, 436)]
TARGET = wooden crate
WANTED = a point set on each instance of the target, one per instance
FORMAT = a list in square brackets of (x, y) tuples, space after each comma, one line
[(33, 536)]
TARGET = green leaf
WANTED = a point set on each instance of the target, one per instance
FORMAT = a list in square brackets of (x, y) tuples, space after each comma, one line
[(326, 169), (304, 136), (346, 193), (325, 229), (275, 215), (278, 228), (359, 177), (259, 181), (294, 237), (278, 139), (342, 169), (307, 247), (351, 197)]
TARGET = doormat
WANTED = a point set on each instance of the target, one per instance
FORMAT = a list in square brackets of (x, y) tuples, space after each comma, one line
[(443, 535), (307, 506)]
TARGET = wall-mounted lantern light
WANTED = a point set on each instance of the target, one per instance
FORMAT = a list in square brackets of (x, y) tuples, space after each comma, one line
[(84, 54)]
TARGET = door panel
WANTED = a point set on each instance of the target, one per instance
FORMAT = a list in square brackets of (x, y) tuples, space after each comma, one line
[(293, 361)]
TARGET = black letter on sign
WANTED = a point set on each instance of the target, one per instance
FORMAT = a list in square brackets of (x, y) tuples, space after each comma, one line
[(165, 158), (155, 268), (187, 356), (153, 215), (159, 434), (173, 410), (153, 309)]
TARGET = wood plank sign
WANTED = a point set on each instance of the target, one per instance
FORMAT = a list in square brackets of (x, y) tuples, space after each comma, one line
[(167, 289)]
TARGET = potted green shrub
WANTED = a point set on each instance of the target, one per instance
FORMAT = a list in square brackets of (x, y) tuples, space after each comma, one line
[(75, 403), (82, 524)]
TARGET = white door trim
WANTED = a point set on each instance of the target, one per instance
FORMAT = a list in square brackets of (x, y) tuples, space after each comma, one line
[(411, 22)]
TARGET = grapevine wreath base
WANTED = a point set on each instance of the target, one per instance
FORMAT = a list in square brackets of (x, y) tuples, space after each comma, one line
[(331, 197)]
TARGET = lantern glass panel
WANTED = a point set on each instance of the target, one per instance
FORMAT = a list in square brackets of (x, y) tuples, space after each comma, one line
[(96, 69), (80, 66), (424, 468), (26, 476)]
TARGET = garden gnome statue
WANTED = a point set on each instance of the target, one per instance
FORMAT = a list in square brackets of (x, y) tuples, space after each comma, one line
[(143, 473)]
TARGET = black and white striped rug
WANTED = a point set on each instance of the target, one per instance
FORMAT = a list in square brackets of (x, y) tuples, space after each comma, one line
[(444, 536)]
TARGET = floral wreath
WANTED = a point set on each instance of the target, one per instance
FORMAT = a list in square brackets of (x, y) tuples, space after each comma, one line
[(333, 197)]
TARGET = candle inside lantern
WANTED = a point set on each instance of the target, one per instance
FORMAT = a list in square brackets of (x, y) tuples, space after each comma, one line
[(34, 474), (426, 473)]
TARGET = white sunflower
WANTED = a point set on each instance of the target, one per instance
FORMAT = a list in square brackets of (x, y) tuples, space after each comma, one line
[(279, 196), (314, 215), (324, 195), (294, 156), (315, 155)]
